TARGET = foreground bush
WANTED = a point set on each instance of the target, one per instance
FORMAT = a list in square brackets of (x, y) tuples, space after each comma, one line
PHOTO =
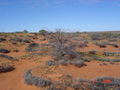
[(34, 80)]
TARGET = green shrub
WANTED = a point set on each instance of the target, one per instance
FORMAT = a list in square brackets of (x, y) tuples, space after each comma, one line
[(43, 32), (25, 31)]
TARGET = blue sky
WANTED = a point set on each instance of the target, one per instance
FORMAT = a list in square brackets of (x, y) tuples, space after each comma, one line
[(70, 15)]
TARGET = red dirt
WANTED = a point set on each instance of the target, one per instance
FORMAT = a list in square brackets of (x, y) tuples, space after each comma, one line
[(14, 80)]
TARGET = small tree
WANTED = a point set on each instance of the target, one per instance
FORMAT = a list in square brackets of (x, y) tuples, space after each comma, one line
[(43, 32), (25, 31)]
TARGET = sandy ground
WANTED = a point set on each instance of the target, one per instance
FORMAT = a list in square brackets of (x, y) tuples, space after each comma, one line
[(14, 80)]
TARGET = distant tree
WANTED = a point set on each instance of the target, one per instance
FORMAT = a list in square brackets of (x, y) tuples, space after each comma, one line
[(25, 31), (43, 32)]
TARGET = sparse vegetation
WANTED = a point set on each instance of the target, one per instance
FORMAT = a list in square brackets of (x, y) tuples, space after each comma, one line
[(60, 57), (32, 47), (2, 39), (50, 63), (101, 45), (2, 50), (4, 69), (6, 56), (34, 80), (43, 32)]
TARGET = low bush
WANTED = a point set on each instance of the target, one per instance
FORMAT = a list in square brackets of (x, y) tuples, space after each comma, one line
[(80, 80), (34, 80), (26, 41), (43, 39), (109, 53), (43, 32), (34, 37), (105, 59), (61, 51), (14, 43), (6, 56), (103, 64), (92, 52), (82, 45), (105, 83), (53, 88), (79, 63), (15, 39), (76, 86), (112, 62), (96, 36), (2, 39), (15, 50), (101, 45), (50, 63), (32, 47), (6, 68), (63, 62), (2, 50), (114, 45)]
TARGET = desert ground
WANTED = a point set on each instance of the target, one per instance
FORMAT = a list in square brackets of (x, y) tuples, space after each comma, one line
[(60, 61)]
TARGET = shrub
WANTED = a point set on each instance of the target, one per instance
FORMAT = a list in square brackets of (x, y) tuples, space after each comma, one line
[(4, 50), (114, 81), (109, 53), (25, 31), (6, 68), (86, 42), (6, 56), (97, 36), (32, 47), (60, 51), (64, 51), (92, 52), (15, 50), (53, 88), (15, 39), (107, 35), (34, 37), (63, 62), (34, 80), (14, 43), (112, 62), (80, 80), (113, 40), (43, 39), (50, 63), (43, 32), (103, 64), (26, 41), (114, 45), (82, 45), (100, 45), (96, 88), (77, 86), (79, 63), (2, 39)]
